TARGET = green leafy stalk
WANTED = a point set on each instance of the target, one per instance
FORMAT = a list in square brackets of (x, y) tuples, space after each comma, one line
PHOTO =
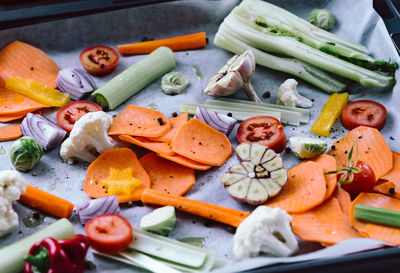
[(377, 215)]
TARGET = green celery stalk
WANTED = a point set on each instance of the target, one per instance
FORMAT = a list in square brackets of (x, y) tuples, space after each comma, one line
[(377, 215)]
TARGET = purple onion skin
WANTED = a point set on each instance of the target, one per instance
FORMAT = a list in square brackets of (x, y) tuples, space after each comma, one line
[(99, 206), (76, 82), (220, 122)]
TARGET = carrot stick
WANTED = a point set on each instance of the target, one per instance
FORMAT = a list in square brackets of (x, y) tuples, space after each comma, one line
[(217, 213), (10, 132), (185, 42), (47, 202)]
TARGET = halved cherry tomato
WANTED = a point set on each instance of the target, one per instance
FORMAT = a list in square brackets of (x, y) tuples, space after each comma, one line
[(363, 113), (70, 113), (363, 181), (264, 130), (99, 60), (109, 233)]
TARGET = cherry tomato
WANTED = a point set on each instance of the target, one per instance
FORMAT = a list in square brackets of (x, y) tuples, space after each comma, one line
[(70, 113), (363, 113), (264, 130), (109, 233), (99, 60), (363, 181)]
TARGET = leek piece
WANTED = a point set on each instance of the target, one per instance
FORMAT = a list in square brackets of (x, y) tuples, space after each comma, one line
[(377, 215), (194, 241), (147, 262), (12, 256), (160, 221), (135, 78)]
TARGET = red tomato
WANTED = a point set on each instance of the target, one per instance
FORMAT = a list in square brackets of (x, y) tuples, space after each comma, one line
[(363, 113), (109, 233), (264, 130), (363, 181), (70, 113), (99, 60)]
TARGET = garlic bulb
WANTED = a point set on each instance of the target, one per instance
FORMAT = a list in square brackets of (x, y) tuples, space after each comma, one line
[(288, 95)]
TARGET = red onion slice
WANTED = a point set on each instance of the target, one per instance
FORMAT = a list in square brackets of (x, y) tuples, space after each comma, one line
[(48, 134), (220, 122), (76, 82), (98, 206)]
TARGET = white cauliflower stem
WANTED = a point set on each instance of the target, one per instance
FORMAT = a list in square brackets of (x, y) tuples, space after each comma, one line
[(11, 188), (265, 230), (88, 136), (288, 95)]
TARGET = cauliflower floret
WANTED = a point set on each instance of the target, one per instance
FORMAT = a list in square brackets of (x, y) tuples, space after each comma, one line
[(11, 187), (265, 230), (288, 95), (89, 135)]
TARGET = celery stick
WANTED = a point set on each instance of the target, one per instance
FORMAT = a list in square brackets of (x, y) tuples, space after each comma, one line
[(377, 215), (147, 262), (11, 257), (135, 78)]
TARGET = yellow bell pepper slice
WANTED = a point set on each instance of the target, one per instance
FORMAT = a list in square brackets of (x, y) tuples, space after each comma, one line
[(120, 181), (331, 111), (38, 91)]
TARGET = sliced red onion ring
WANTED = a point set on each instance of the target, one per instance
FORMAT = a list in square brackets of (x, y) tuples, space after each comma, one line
[(76, 82), (48, 134), (220, 122), (98, 206)]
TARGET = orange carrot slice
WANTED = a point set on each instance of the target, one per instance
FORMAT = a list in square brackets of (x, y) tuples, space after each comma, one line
[(324, 224), (158, 147), (167, 176), (24, 61), (186, 162), (184, 42), (8, 118), (175, 124), (139, 121), (304, 190), (372, 149), (389, 184), (47, 202), (389, 188), (328, 163), (394, 174), (371, 230), (206, 210), (202, 143), (118, 159), (10, 132), (344, 201)]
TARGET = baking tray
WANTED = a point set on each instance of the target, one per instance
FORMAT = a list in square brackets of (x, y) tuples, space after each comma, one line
[(65, 38)]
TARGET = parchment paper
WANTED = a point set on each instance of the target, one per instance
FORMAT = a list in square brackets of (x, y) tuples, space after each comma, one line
[(63, 40)]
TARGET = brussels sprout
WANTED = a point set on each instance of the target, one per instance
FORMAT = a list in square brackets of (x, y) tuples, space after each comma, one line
[(25, 153), (322, 18)]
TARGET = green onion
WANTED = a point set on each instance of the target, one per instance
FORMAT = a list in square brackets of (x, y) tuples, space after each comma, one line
[(377, 215), (135, 78)]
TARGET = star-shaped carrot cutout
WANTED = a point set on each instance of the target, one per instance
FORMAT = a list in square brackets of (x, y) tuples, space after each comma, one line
[(120, 181)]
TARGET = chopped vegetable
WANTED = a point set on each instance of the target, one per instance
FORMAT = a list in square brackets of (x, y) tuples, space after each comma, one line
[(62, 256), (331, 111), (307, 147), (109, 233), (260, 175), (236, 74), (16, 60), (213, 212), (377, 215), (288, 95), (76, 82), (173, 83), (120, 159), (167, 176), (25, 153), (10, 132), (184, 42), (263, 130), (140, 121), (47, 202), (99, 206), (38, 91), (328, 163), (266, 230), (322, 18), (70, 113), (363, 113), (160, 221), (12, 256), (194, 241), (48, 134), (89, 135), (135, 78), (200, 142), (186, 162), (120, 182), (99, 60), (175, 123), (11, 187), (390, 182), (158, 147), (222, 123)]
